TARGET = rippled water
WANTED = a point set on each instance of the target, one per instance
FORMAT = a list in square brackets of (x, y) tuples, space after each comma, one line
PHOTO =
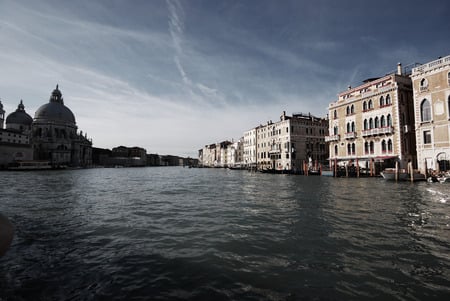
[(213, 234)]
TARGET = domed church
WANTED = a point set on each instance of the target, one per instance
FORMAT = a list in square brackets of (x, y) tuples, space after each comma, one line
[(54, 135)]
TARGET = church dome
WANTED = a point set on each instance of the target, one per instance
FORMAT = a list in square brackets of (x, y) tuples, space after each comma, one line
[(19, 116), (55, 110)]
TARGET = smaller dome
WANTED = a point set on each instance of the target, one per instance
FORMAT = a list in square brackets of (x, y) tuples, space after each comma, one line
[(19, 116)]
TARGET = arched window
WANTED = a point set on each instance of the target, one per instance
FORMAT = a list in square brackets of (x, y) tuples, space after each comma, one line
[(364, 106), (381, 101), (366, 147), (425, 110), (372, 148), (389, 145), (352, 109), (377, 122), (370, 123), (335, 130), (388, 99), (383, 146), (348, 110), (348, 127), (353, 127), (366, 125), (448, 105), (335, 114), (423, 83), (389, 120), (383, 121), (336, 150), (353, 148), (349, 149), (370, 104)]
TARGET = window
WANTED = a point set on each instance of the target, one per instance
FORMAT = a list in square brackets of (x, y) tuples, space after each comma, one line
[(448, 105), (335, 114), (388, 100), (335, 130), (383, 146), (425, 110), (352, 109), (349, 149), (372, 148), (389, 145), (353, 148), (370, 104), (423, 83), (366, 125), (364, 106), (348, 127), (389, 120), (336, 150), (426, 137), (370, 123), (448, 78), (383, 121), (348, 110), (377, 122), (366, 147), (353, 127), (381, 101)]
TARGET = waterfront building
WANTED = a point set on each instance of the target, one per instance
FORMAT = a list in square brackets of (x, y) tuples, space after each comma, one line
[(371, 126), (234, 153), (222, 154), (14, 139), (55, 137), (249, 148), (431, 85), (291, 143)]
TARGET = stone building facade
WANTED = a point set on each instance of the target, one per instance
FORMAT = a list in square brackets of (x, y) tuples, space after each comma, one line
[(372, 126), (431, 85), (291, 142)]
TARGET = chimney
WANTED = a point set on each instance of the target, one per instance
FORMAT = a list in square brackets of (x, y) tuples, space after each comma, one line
[(399, 69)]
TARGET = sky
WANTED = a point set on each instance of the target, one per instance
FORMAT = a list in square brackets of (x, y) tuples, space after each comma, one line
[(172, 76)]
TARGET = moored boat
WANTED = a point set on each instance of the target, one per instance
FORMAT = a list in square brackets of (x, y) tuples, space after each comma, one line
[(33, 165), (401, 175)]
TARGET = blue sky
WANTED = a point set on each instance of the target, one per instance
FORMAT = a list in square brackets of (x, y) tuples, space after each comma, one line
[(172, 76)]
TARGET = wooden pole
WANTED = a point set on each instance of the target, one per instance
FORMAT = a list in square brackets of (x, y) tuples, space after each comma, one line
[(335, 167), (411, 171), (396, 171), (357, 168)]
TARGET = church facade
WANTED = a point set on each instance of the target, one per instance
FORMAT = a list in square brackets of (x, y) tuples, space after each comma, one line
[(52, 135)]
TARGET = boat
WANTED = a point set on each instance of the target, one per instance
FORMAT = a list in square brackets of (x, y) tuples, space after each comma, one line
[(401, 175), (441, 178), (30, 165)]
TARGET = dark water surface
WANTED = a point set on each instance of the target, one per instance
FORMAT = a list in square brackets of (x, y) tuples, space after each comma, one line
[(213, 234)]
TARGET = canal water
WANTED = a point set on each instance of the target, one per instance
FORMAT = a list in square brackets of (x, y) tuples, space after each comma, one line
[(176, 233)]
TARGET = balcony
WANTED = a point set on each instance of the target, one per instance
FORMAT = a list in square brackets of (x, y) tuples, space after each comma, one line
[(378, 131), (332, 138), (350, 135)]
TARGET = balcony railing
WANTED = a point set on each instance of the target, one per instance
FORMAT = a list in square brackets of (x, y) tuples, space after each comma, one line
[(350, 135), (378, 131), (332, 138)]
